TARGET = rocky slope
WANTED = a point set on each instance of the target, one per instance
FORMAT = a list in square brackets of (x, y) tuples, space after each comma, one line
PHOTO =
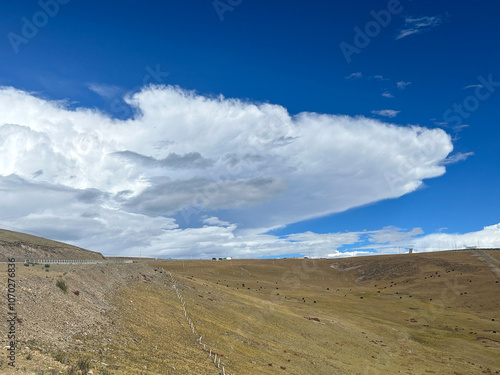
[(24, 246)]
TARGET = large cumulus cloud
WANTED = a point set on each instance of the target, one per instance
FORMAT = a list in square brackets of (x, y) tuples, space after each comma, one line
[(81, 175)]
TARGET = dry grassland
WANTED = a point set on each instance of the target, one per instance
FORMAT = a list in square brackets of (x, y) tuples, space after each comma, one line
[(435, 313)]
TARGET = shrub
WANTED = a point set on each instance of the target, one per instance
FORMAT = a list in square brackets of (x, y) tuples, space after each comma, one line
[(29, 357), (47, 266), (83, 365), (60, 357), (62, 285)]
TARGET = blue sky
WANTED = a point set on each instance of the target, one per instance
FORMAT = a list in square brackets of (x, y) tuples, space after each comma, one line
[(253, 128)]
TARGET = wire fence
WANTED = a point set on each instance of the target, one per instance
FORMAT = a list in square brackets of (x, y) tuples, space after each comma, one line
[(211, 353)]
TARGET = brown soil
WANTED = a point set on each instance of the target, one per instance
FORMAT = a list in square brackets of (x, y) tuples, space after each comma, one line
[(23, 246)]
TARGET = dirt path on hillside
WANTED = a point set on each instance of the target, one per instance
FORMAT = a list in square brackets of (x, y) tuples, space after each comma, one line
[(489, 260)]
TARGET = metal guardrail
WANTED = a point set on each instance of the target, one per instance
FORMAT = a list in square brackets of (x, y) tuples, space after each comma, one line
[(77, 261)]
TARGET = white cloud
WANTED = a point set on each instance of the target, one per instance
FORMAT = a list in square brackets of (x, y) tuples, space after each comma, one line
[(359, 75), (459, 156), (387, 95), (488, 237), (402, 84), (354, 75), (386, 113), (391, 235), (216, 241), (391, 240), (349, 254), (215, 221), (148, 183), (418, 25), (459, 128), (106, 91)]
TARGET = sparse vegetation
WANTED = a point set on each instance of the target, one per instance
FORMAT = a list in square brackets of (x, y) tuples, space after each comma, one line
[(260, 326), (29, 357), (83, 365), (62, 285), (45, 248), (60, 357)]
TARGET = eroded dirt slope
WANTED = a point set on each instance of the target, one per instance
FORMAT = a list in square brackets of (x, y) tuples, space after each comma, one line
[(24, 246)]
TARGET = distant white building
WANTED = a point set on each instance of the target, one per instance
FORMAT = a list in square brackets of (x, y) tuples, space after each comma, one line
[(228, 258)]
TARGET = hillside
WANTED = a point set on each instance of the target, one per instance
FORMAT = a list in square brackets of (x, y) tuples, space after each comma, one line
[(410, 314), (23, 246), (435, 313)]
